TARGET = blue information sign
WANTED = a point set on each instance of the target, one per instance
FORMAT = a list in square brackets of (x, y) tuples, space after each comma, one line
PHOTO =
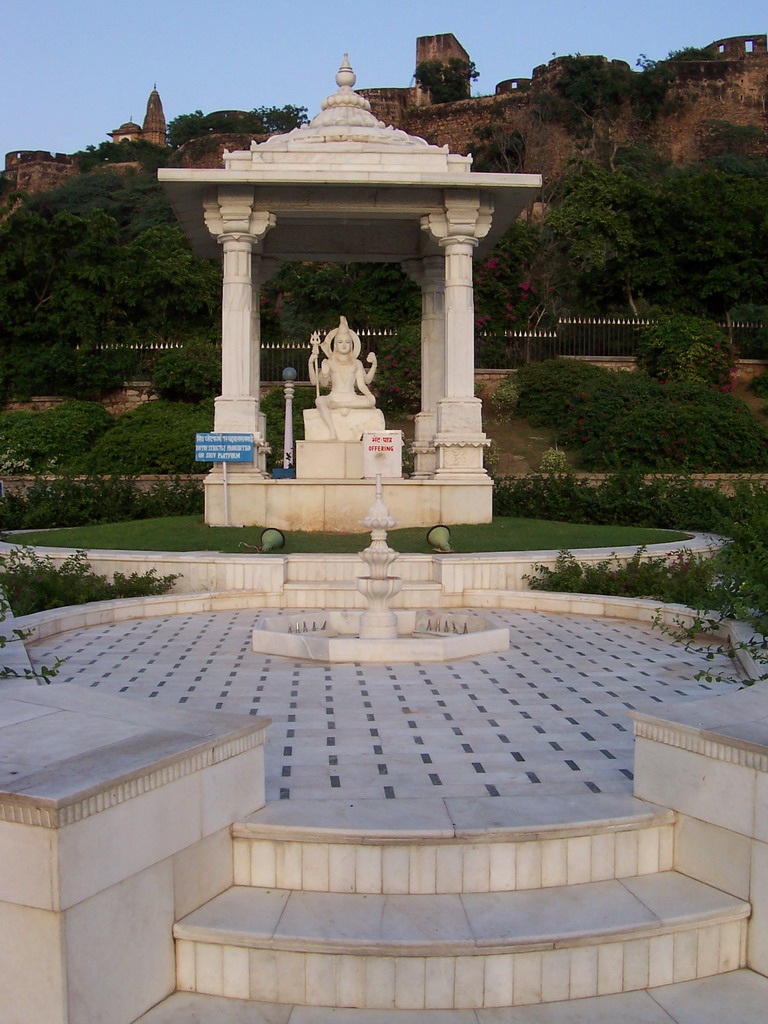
[(223, 447)]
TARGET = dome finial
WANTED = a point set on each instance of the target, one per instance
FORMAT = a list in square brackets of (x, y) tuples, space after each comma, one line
[(345, 75)]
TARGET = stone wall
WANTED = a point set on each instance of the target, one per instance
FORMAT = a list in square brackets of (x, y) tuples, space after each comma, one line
[(37, 171), (733, 89)]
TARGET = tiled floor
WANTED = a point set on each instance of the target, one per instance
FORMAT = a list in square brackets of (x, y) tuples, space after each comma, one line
[(548, 716)]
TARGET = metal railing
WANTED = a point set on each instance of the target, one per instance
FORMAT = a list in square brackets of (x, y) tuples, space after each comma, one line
[(588, 337)]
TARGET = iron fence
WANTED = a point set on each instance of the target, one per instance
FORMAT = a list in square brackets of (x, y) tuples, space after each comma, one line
[(588, 337)]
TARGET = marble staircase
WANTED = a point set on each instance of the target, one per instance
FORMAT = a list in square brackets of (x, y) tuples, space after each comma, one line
[(450, 911)]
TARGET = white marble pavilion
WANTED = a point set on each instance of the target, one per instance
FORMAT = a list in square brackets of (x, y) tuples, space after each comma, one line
[(347, 188)]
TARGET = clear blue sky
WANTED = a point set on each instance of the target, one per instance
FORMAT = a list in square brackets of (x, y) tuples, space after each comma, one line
[(72, 70)]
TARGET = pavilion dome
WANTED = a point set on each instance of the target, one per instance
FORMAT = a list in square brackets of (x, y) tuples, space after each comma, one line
[(346, 136)]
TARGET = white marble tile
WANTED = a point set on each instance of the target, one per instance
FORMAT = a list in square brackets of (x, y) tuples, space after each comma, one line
[(288, 866), (714, 855), (741, 996), (503, 866), (527, 978), (29, 873), (410, 982), (380, 981), (477, 868), (209, 968), (661, 960), (201, 872), (579, 858), (341, 867), (368, 869), (584, 971), (422, 869), (314, 865), (469, 986), (685, 953), (291, 977), (555, 975), (647, 851), (236, 972), (100, 933), (263, 974), (636, 964), (603, 856), (610, 968), (529, 866), (499, 980), (320, 970), (350, 981), (439, 979), (31, 965), (449, 868)]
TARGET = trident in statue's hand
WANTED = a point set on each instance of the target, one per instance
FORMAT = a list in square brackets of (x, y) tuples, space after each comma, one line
[(313, 374)]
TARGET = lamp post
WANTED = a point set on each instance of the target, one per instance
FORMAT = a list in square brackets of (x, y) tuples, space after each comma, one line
[(289, 376)]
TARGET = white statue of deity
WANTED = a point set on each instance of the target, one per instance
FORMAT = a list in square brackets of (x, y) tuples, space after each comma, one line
[(349, 408)]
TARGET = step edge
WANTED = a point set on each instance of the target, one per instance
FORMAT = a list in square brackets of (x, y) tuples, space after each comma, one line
[(462, 836)]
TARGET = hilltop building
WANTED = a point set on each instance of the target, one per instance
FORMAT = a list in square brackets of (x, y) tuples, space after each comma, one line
[(153, 130)]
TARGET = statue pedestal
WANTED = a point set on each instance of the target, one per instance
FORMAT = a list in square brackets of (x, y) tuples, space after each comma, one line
[(329, 460), (337, 506)]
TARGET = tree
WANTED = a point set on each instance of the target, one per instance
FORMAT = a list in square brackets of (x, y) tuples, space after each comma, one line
[(590, 94), (304, 297), (134, 200), (260, 121), (446, 82), (598, 226)]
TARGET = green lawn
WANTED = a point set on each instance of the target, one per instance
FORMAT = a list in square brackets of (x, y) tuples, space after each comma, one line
[(189, 533)]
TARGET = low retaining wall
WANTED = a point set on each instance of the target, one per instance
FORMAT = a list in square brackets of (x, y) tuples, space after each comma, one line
[(316, 581)]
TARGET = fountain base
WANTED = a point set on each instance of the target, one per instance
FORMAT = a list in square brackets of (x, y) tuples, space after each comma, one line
[(333, 636)]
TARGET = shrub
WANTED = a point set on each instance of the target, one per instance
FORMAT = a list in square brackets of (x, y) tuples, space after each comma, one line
[(273, 406), (64, 501), (683, 578), (188, 374), (760, 385), (157, 437), (549, 389), (32, 583), (681, 426), (633, 420), (398, 380), (628, 499), (35, 442), (60, 369), (553, 461), (687, 348), (506, 396)]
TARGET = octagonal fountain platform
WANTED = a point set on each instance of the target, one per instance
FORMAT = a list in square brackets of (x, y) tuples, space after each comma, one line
[(379, 634)]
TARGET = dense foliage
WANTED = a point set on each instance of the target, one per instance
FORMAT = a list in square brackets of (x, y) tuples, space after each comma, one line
[(446, 82), (632, 419), (51, 441), (683, 578), (77, 300), (693, 241), (630, 498), (32, 583), (687, 349), (260, 121), (66, 501), (156, 437)]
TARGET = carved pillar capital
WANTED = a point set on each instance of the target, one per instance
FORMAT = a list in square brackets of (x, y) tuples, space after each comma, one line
[(464, 219), (231, 214)]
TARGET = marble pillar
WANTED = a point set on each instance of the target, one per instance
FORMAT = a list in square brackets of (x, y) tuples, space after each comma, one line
[(240, 231), (459, 438), (429, 273)]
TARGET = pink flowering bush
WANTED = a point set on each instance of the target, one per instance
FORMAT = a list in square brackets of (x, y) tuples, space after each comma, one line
[(688, 348)]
